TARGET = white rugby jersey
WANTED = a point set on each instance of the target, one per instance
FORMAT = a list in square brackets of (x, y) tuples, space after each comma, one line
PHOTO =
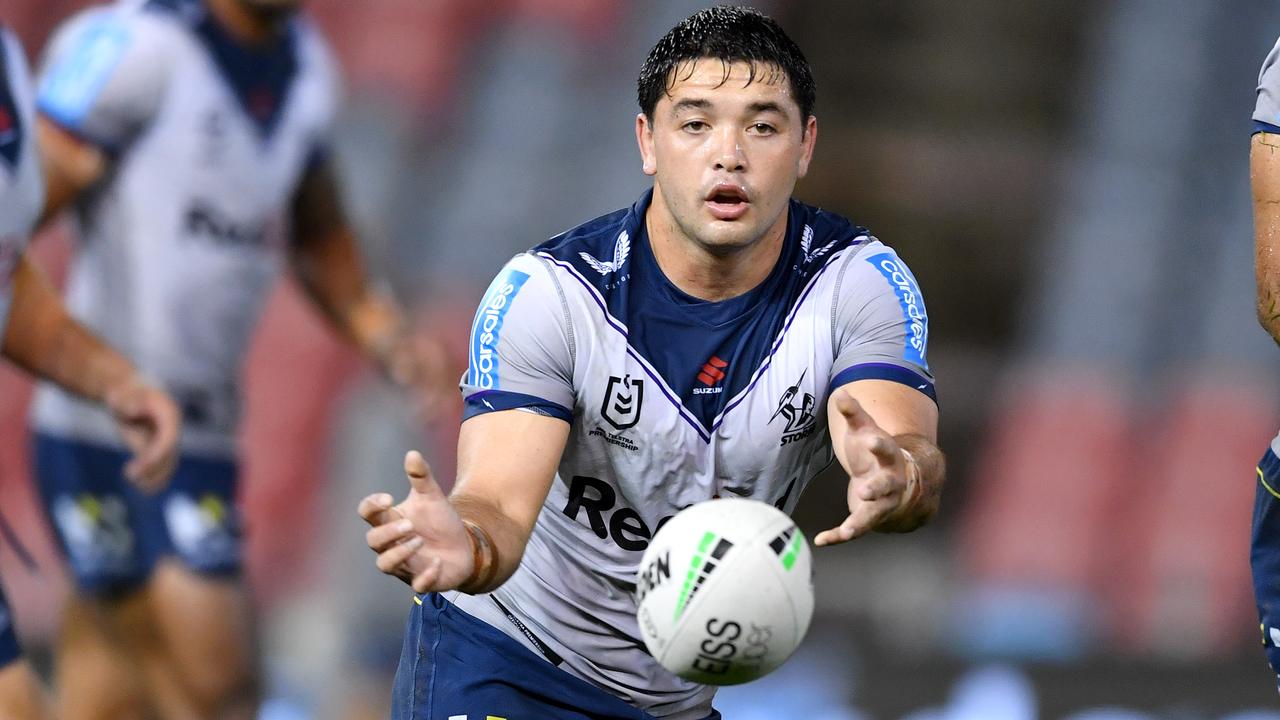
[(182, 240), (671, 401), (1266, 111), (21, 183)]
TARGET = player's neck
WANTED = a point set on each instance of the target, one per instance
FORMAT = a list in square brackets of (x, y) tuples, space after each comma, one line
[(704, 274), (244, 23)]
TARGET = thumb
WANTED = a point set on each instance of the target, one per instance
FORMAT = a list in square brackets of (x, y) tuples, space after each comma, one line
[(419, 474), (852, 411)]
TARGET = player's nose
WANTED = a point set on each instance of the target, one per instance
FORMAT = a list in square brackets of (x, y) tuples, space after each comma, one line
[(729, 155)]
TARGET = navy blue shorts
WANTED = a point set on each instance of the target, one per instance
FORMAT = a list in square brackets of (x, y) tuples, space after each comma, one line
[(9, 650), (454, 665), (113, 534), (1264, 554)]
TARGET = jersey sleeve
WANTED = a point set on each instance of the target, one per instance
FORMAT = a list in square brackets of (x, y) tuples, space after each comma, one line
[(880, 327), (1266, 111), (521, 354), (104, 75)]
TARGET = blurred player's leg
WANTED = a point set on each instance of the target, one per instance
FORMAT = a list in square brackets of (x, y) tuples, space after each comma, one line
[(161, 599), (189, 667), (20, 695), (95, 678), (206, 625)]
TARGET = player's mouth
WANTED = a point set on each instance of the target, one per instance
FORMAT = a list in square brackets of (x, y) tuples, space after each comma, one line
[(727, 201)]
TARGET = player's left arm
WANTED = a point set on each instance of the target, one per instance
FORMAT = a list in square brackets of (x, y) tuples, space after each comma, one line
[(882, 410), (1264, 176), (885, 436), (325, 258)]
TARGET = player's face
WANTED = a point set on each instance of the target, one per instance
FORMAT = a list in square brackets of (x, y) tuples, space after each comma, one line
[(725, 152)]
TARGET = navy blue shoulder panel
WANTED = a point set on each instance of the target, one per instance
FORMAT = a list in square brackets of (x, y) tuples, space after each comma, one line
[(704, 352), (260, 77), (12, 131)]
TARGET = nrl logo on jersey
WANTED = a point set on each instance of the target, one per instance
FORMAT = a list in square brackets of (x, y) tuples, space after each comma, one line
[(796, 407), (621, 249), (623, 398)]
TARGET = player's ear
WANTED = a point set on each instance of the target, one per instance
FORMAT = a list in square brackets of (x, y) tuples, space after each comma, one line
[(807, 142), (644, 138)]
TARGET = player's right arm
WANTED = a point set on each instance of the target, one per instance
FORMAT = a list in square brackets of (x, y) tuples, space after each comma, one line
[(519, 394), (44, 340), (473, 539)]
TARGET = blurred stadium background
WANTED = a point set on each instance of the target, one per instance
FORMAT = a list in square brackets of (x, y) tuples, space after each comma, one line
[(1067, 179)]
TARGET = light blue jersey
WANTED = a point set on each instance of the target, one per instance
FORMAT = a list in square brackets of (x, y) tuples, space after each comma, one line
[(180, 244)]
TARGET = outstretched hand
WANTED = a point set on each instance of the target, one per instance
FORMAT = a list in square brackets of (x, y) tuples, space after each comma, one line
[(149, 422), (420, 540), (878, 473)]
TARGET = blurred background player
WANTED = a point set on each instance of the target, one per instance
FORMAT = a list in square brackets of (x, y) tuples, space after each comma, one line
[(652, 358), (1264, 175), (41, 338), (190, 138)]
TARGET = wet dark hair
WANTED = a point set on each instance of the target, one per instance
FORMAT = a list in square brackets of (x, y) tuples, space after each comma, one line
[(729, 34)]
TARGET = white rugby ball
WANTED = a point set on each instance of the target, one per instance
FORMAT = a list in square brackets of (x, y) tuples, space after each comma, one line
[(724, 592)]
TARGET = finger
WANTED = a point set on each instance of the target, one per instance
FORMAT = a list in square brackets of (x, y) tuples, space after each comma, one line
[(885, 450), (425, 581), (391, 560), (879, 485), (383, 536), (151, 432), (852, 411), (133, 469), (834, 536), (166, 427), (859, 459), (375, 509), (860, 522), (419, 473)]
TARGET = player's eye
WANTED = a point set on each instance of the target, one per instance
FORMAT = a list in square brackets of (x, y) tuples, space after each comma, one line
[(763, 129), (696, 126)]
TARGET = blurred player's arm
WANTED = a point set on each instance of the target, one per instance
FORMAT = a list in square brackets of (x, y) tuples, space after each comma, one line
[(474, 539), (1264, 176), (885, 436), (325, 258), (71, 165), (44, 340)]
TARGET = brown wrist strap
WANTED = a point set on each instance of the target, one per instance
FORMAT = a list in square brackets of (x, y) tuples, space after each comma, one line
[(484, 554), (914, 492)]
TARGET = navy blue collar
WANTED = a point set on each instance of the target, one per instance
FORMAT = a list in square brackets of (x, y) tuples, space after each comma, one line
[(705, 352), (260, 76)]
